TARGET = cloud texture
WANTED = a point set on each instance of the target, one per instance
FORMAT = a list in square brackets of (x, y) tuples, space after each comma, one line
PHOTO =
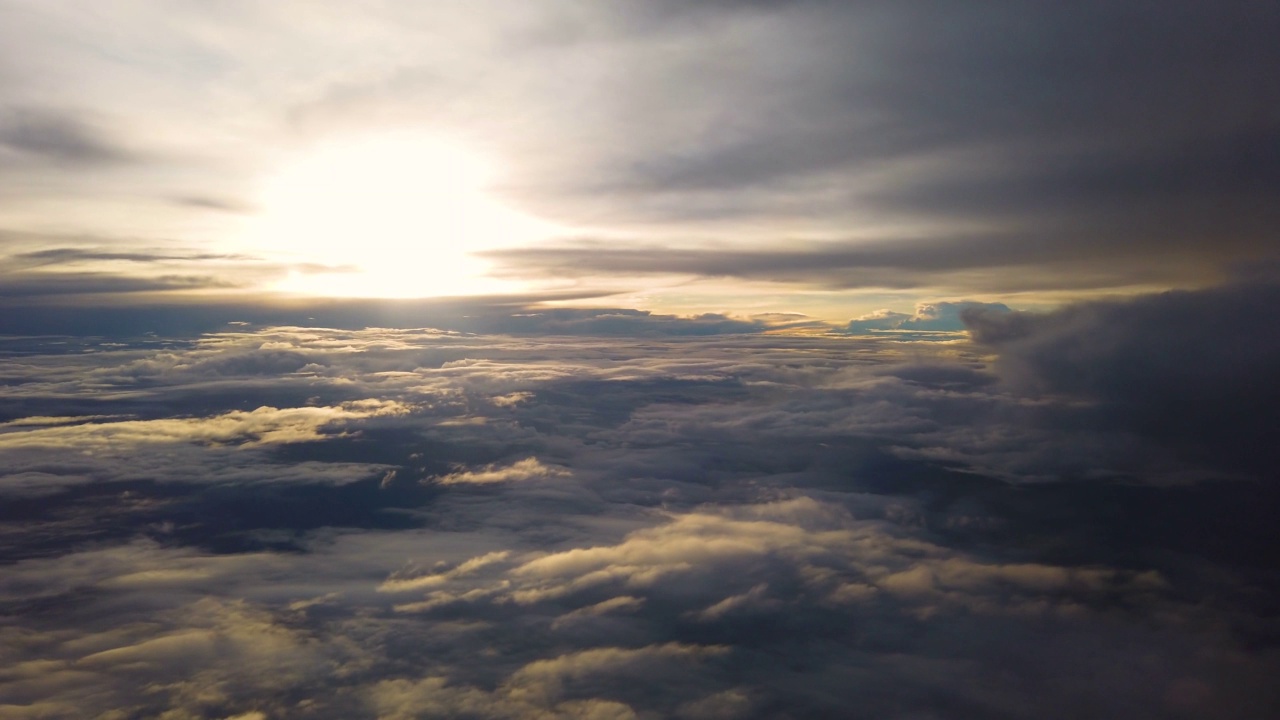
[(308, 522), (944, 150), (757, 423)]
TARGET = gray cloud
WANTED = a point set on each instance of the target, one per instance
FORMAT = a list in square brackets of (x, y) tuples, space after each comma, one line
[(1035, 78), (58, 137), (1190, 368), (61, 269), (21, 285), (512, 314), (1100, 126), (230, 205), (53, 256), (1021, 148), (994, 263)]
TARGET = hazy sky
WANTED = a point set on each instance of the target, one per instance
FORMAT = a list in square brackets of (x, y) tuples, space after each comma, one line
[(814, 156)]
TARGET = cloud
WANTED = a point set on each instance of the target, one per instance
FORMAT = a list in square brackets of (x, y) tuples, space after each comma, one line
[(992, 262), (509, 315), (548, 504), (36, 284), (70, 254), (119, 270), (620, 604), (548, 678), (47, 457), (753, 600), (521, 471), (1189, 368), (220, 204), (615, 322), (962, 135), (938, 317), (57, 137), (399, 584), (760, 524), (511, 400), (33, 483), (264, 425), (722, 705), (968, 151)]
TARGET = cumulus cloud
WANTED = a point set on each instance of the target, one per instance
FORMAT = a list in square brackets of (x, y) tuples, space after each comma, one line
[(280, 637), (311, 522), (53, 454)]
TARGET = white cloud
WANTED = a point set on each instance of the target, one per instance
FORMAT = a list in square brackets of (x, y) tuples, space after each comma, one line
[(263, 426), (520, 471)]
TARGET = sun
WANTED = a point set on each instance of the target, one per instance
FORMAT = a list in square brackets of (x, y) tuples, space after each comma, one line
[(389, 215)]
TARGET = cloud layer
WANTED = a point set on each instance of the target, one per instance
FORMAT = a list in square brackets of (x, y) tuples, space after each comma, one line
[(755, 425), (1031, 148), (402, 523)]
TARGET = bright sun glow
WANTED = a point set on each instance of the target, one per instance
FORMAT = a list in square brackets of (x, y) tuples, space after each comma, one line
[(399, 214)]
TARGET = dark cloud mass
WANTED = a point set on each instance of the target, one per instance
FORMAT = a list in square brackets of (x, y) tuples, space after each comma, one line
[(1191, 368), (284, 521), (1087, 145)]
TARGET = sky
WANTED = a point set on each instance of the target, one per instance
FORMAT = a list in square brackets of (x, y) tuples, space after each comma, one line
[(639, 359), (829, 158)]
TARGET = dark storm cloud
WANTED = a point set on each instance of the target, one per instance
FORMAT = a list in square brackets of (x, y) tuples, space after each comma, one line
[(1194, 369), (58, 137)]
